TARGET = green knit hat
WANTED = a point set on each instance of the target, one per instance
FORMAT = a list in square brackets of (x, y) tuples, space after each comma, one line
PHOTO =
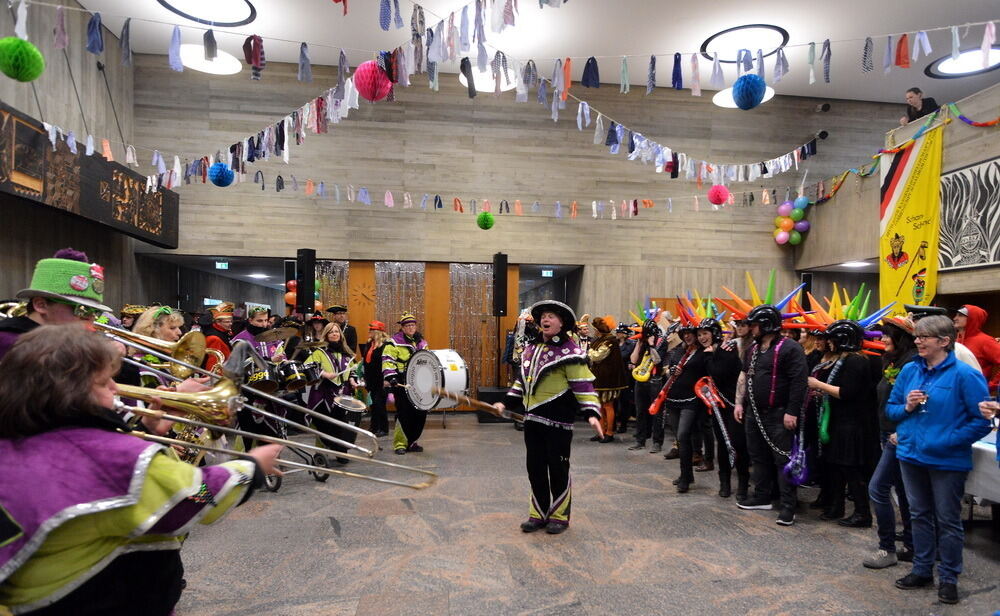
[(71, 280)]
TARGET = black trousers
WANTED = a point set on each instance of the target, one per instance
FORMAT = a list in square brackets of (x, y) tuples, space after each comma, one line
[(852, 478), (738, 439), (767, 463), (687, 426), (380, 418), (332, 410), (547, 452), (408, 418), (626, 406), (646, 424)]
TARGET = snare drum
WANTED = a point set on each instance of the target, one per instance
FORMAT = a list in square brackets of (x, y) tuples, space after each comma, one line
[(442, 368), (313, 373), (354, 408), (293, 375), (265, 380)]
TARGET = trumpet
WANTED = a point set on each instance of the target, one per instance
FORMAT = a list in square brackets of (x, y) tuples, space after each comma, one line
[(233, 371), (431, 477)]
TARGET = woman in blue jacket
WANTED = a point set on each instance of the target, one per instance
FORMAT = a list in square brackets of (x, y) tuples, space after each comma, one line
[(935, 404)]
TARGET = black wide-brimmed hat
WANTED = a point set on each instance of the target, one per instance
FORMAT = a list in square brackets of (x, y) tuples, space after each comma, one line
[(566, 314)]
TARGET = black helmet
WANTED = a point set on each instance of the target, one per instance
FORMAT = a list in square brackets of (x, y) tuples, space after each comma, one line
[(845, 335), (650, 328), (713, 326), (767, 317), (623, 329)]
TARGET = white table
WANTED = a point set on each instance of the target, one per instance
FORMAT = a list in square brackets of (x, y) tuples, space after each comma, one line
[(983, 481)]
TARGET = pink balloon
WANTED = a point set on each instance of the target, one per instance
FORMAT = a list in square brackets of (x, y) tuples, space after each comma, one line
[(802, 226), (785, 209), (781, 238)]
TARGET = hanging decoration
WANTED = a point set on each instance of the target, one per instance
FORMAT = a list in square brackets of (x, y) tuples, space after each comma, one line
[(221, 175), (485, 220), (748, 91), (371, 81), (718, 194), (20, 60)]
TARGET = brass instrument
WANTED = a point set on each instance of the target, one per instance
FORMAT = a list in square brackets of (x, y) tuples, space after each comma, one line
[(189, 349), (216, 406), (219, 360), (13, 309), (644, 370)]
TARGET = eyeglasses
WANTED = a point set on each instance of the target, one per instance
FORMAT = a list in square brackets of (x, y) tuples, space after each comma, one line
[(926, 337), (79, 310)]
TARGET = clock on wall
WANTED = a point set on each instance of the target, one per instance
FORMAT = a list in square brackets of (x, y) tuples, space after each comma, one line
[(363, 295)]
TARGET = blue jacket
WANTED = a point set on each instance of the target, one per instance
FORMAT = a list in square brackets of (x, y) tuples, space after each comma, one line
[(940, 438)]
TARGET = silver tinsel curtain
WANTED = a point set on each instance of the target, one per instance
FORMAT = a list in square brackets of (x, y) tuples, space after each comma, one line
[(331, 277), (399, 287), (473, 327)]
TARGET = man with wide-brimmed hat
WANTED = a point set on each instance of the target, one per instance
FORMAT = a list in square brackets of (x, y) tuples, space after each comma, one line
[(338, 314), (396, 356), (64, 289)]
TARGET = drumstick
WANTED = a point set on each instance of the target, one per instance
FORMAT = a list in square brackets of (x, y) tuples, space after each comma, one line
[(477, 404)]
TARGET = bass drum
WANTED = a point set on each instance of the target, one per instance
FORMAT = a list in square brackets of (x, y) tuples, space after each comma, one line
[(442, 368)]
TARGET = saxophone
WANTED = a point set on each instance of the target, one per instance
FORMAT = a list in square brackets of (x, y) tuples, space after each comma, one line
[(644, 370)]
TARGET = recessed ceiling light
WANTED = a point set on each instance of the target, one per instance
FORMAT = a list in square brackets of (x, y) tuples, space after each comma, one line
[(193, 57), (969, 62), (768, 37), (485, 82), (724, 98), (217, 13), (258, 276), (855, 264)]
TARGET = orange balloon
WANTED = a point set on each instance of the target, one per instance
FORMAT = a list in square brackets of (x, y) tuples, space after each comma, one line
[(290, 298), (318, 306), (787, 224)]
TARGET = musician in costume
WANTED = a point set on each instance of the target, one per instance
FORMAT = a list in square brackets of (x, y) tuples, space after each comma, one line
[(609, 375), (314, 328), (845, 395), (91, 518), (129, 315), (626, 401), (66, 288), (552, 386), (371, 358), (338, 314), (218, 335), (722, 363), (337, 379), (257, 324), (682, 405), (770, 395), (395, 356), (648, 356)]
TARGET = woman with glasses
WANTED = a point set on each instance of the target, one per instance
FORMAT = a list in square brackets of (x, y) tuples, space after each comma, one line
[(935, 404)]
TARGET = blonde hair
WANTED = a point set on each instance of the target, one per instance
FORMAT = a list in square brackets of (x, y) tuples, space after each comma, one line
[(379, 338), (343, 340), (149, 321)]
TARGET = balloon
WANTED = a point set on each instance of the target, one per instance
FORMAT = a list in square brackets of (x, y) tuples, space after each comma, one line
[(797, 214), (318, 307), (802, 226), (777, 221), (802, 202), (784, 209), (290, 298), (316, 294), (292, 285), (787, 224), (781, 238), (776, 232), (794, 238)]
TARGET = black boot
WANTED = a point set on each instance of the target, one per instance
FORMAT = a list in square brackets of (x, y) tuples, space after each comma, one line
[(725, 488)]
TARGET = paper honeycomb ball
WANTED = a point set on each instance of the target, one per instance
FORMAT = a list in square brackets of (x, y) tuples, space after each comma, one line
[(718, 194), (221, 175), (371, 81), (20, 60), (485, 220), (748, 91)]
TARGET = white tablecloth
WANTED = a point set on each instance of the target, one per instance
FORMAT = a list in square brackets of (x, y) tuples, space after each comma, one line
[(984, 479)]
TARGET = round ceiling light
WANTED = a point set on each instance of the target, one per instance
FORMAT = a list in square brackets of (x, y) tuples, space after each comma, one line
[(968, 63), (217, 13), (193, 57), (749, 36), (724, 98), (485, 82)]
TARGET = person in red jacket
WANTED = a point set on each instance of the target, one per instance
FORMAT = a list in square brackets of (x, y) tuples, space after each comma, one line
[(968, 321), (219, 334)]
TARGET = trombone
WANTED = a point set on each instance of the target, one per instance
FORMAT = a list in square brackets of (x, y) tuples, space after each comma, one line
[(207, 409), (163, 350)]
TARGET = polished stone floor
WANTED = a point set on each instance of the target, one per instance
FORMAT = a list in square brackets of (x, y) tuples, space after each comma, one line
[(635, 546)]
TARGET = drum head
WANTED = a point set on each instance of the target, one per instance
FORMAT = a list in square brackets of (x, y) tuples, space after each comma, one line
[(444, 369), (349, 403)]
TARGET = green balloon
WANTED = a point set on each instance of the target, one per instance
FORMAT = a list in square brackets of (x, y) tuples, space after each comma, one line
[(797, 214), (794, 238)]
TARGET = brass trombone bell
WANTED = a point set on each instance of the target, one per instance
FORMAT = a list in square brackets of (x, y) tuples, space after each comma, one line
[(216, 406), (189, 349)]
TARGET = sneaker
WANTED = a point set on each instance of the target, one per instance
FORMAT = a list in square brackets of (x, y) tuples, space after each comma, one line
[(755, 503), (905, 554), (880, 559), (414, 447), (656, 448), (786, 517), (400, 451), (532, 525), (948, 592), (912, 581), (637, 446), (554, 528)]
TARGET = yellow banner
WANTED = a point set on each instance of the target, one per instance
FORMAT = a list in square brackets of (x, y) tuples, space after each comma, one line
[(909, 215)]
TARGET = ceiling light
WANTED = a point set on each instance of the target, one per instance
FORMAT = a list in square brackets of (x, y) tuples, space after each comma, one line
[(258, 276), (728, 42), (193, 57), (969, 62), (485, 82), (855, 264), (217, 13), (724, 98)]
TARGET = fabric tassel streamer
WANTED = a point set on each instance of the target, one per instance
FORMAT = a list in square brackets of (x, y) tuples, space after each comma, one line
[(518, 208), (21, 22), (582, 115), (59, 36), (670, 205), (599, 133), (71, 142), (423, 201), (989, 37), (438, 202), (760, 63), (174, 53), (623, 89), (465, 44), (473, 207), (90, 145), (536, 207), (542, 95), (921, 43), (697, 206), (867, 56), (780, 65), (479, 35), (397, 17), (321, 190), (567, 81), (384, 15), (417, 28), (826, 55), (95, 35), (106, 150), (407, 201), (558, 209), (305, 65), (614, 210), (125, 43), (457, 206), (258, 178), (677, 79), (593, 209), (696, 75), (465, 67), (955, 42), (717, 80), (887, 58), (812, 63), (389, 201), (651, 76), (573, 209), (363, 196), (591, 74), (903, 52), (130, 157)]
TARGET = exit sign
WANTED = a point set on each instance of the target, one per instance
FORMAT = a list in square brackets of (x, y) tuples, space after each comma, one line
[(546, 273), (223, 265)]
